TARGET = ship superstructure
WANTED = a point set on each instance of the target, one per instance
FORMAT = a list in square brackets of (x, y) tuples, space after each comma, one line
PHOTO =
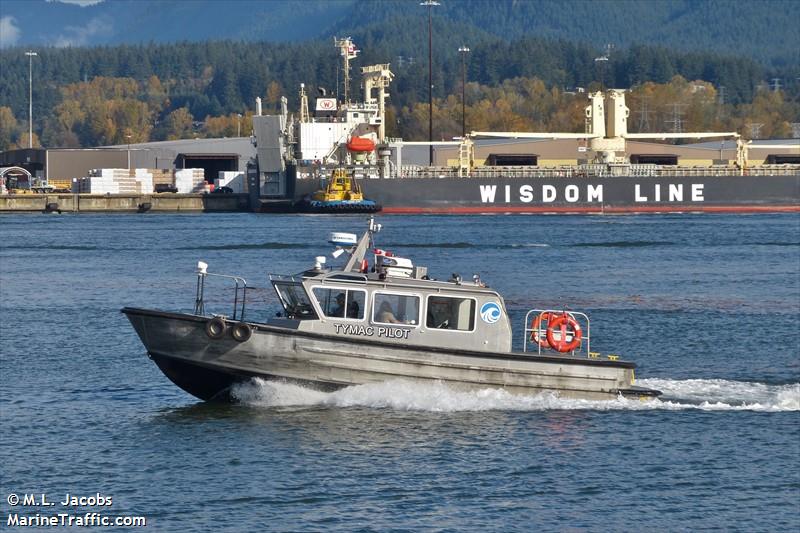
[(296, 152)]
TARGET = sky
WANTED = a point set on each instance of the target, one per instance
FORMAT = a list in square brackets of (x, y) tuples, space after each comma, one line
[(11, 31)]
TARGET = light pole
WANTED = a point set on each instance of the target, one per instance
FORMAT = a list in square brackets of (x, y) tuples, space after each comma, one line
[(463, 50), (600, 63), (30, 54), (128, 137), (430, 4), (238, 124)]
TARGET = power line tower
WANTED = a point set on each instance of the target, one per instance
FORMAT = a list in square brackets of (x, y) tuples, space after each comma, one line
[(721, 102), (677, 118), (644, 121), (755, 129), (776, 84)]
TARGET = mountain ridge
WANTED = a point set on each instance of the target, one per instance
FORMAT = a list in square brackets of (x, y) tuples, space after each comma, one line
[(766, 31)]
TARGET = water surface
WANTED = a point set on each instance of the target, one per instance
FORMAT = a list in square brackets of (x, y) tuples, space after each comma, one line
[(707, 306)]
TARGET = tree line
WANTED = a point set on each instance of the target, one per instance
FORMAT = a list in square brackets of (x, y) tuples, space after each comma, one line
[(112, 95)]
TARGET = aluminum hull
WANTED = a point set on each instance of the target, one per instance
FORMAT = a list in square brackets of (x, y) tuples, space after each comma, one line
[(613, 194), (207, 368)]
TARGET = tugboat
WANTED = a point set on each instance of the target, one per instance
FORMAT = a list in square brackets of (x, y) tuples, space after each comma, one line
[(341, 195), (371, 321)]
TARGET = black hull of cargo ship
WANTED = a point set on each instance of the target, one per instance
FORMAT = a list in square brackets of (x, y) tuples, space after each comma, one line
[(613, 194)]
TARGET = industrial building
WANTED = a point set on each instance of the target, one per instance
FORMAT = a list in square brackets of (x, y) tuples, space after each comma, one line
[(67, 164)]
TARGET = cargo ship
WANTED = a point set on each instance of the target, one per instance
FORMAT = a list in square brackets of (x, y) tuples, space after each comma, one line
[(605, 169)]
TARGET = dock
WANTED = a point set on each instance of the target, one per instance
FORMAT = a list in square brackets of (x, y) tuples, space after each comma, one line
[(123, 203)]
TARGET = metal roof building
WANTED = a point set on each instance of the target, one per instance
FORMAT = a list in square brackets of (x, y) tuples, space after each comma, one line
[(212, 155)]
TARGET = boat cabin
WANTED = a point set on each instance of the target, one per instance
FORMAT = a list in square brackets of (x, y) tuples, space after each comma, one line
[(391, 300), (419, 312)]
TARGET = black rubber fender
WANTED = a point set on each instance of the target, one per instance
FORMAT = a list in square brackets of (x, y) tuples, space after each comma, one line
[(241, 332), (216, 328)]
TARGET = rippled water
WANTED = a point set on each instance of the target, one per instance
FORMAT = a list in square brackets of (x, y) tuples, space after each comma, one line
[(708, 307)]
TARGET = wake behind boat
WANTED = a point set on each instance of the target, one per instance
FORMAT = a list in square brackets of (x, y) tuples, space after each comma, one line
[(369, 322)]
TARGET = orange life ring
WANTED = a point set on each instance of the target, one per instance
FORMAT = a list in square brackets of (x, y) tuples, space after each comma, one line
[(563, 324), (541, 340)]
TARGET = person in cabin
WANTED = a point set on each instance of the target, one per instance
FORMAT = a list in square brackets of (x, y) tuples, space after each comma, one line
[(439, 314), (386, 315), (339, 309), (353, 309)]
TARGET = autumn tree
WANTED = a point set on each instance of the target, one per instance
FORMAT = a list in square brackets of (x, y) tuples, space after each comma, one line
[(769, 116), (178, 124), (155, 95), (229, 125), (104, 111), (274, 93), (8, 127), (22, 141)]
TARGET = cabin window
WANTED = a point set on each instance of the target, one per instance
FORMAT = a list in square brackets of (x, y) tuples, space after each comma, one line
[(445, 312), (295, 301), (341, 303), (395, 309)]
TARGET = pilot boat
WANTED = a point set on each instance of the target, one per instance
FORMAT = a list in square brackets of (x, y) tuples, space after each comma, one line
[(379, 317)]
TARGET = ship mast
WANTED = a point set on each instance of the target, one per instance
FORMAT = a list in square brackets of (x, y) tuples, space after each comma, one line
[(348, 51), (304, 117)]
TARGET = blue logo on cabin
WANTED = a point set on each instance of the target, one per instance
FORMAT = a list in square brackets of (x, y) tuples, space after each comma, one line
[(490, 312)]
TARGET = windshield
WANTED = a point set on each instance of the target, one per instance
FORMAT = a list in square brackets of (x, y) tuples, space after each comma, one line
[(295, 300)]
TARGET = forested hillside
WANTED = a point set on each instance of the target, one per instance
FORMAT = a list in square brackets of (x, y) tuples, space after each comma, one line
[(95, 95), (765, 30)]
